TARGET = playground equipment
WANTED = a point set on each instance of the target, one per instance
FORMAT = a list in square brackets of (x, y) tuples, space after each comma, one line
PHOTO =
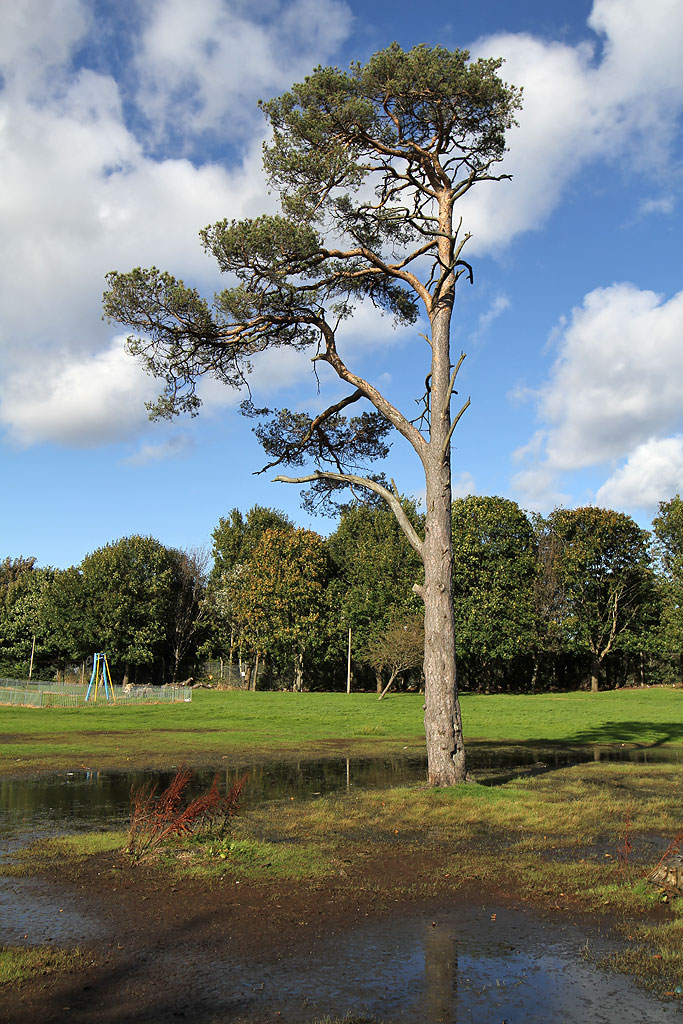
[(100, 671)]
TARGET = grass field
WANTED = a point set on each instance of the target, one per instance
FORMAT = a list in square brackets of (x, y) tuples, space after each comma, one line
[(229, 722)]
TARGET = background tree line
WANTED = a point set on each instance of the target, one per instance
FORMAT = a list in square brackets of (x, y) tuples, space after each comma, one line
[(582, 597)]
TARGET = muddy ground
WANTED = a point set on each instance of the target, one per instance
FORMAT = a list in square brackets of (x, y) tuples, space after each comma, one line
[(195, 951)]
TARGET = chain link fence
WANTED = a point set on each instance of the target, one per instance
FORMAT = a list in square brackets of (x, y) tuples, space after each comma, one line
[(57, 695)]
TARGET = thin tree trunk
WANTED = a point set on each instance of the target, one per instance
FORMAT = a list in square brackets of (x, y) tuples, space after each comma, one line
[(255, 675), (595, 674), (386, 688), (298, 673)]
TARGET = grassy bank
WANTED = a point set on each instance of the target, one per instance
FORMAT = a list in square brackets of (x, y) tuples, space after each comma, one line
[(219, 723)]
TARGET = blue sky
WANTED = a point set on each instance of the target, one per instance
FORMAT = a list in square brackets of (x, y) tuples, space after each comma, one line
[(127, 126)]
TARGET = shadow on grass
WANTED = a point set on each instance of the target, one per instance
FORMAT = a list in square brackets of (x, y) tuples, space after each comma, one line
[(632, 732)]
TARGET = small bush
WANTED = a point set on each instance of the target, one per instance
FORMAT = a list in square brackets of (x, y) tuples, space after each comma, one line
[(156, 818)]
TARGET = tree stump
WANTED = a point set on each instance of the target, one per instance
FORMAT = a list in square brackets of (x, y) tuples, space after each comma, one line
[(669, 874)]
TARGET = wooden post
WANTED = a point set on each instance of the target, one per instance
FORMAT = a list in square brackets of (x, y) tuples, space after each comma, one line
[(30, 668), (348, 666)]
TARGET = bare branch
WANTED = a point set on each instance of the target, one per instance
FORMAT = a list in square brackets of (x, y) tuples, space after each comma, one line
[(444, 450), (371, 485)]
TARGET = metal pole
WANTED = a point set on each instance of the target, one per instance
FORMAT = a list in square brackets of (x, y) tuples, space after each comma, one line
[(348, 666), (30, 668)]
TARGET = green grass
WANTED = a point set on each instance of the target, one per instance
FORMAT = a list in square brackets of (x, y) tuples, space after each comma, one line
[(44, 854), (18, 963), (217, 723), (255, 858)]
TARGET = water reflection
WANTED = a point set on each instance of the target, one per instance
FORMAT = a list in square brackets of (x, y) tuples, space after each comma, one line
[(89, 798), (81, 800)]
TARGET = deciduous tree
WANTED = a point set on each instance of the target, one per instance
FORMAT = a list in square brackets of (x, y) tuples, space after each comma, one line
[(493, 585), (128, 587), (369, 166), (604, 569), (374, 569), (278, 597), (398, 649), (668, 529)]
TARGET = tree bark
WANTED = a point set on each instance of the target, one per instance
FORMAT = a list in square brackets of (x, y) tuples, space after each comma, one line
[(389, 684), (595, 674), (298, 673), (443, 724)]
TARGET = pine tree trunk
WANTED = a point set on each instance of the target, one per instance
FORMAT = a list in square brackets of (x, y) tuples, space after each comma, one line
[(443, 725)]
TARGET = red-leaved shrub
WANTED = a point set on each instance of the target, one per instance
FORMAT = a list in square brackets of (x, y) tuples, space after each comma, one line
[(156, 818)]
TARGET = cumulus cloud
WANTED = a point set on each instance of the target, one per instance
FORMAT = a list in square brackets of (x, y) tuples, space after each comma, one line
[(88, 402), (618, 94), (652, 473), (613, 393), (202, 66), (80, 195)]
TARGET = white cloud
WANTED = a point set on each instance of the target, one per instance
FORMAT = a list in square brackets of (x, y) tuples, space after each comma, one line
[(36, 40), (463, 485), (615, 392), (178, 445), (87, 402), (652, 473), (496, 309), (580, 105), (618, 378), (202, 66), (78, 197), (664, 205)]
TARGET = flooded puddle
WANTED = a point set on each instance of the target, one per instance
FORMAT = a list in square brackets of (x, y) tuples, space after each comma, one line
[(485, 965), (74, 801)]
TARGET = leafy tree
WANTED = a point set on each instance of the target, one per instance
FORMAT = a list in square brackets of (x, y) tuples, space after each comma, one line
[(374, 569), (236, 536), (369, 166), (398, 649), (21, 592), (493, 585), (668, 529), (64, 617), (128, 587), (604, 569), (188, 612), (278, 596), (234, 540)]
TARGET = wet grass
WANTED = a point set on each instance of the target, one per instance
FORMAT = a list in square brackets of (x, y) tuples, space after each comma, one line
[(43, 855), (577, 840), (253, 858), (19, 963), (217, 723)]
